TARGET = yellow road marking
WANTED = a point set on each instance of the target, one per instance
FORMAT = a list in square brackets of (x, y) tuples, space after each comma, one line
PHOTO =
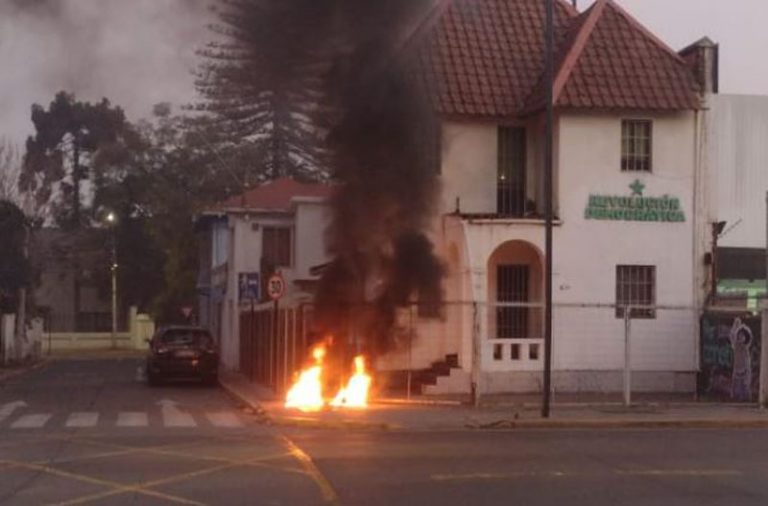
[(496, 476), (329, 495), (97, 481), (142, 487), (562, 474), (680, 472)]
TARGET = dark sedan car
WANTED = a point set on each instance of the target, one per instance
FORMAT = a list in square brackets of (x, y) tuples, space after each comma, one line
[(182, 353)]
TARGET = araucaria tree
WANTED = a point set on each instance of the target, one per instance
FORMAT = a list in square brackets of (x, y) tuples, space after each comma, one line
[(262, 80), (64, 151)]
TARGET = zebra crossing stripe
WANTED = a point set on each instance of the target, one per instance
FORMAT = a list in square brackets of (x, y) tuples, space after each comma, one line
[(31, 421), (132, 419), (88, 419), (172, 418), (224, 419), (176, 418)]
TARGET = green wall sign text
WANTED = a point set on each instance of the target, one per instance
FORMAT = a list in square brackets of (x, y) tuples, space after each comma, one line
[(634, 207)]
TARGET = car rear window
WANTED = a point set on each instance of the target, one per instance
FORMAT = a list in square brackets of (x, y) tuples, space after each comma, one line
[(186, 336)]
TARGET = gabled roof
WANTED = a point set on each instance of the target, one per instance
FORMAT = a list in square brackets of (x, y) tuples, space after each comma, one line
[(617, 63), (275, 195), (486, 58)]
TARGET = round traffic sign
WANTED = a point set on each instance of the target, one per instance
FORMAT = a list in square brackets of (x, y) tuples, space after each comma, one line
[(276, 286)]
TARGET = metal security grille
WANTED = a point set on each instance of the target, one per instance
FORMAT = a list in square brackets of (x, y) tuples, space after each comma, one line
[(512, 286), (636, 145), (276, 246), (636, 286), (510, 196)]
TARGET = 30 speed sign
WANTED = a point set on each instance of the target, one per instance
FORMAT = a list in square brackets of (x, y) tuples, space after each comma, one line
[(276, 286)]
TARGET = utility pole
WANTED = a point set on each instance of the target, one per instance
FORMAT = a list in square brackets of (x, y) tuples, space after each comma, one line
[(112, 220), (21, 312), (548, 144)]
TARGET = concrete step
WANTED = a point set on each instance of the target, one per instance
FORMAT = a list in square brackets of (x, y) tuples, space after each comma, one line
[(457, 382)]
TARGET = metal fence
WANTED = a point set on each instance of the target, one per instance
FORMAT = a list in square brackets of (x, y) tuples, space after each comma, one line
[(598, 348), (274, 343)]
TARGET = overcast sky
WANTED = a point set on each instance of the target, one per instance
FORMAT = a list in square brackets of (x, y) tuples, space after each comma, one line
[(134, 52), (140, 52)]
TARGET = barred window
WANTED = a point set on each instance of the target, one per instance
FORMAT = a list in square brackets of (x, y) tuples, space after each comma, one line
[(510, 186), (636, 286), (276, 246), (636, 145)]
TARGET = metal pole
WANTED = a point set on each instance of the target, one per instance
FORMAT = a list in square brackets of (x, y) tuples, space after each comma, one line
[(627, 358), (275, 336), (410, 354), (549, 120), (476, 357), (763, 393), (285, 349), (114, 288)]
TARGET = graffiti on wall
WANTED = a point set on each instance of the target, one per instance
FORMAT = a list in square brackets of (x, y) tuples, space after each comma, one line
[(730, 357)]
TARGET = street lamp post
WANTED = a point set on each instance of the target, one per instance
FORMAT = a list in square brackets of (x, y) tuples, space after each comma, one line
[(112, 220)]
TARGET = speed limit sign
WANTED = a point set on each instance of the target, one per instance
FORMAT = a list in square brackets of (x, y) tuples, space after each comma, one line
[(276, 286)]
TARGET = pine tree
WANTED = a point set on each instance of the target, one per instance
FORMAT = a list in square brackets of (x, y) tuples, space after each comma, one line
[(262, 81)]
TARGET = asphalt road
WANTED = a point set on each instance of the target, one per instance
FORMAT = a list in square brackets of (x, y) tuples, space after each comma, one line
[(90, 432)]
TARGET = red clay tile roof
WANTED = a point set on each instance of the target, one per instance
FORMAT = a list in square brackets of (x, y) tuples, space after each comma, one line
[(621, 65), (275, 195), (486, 58)]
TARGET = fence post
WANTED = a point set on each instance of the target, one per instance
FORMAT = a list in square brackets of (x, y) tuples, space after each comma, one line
[(627, 357), (294, 331), (763, 395), (410, 353), (476, 350), (285, 348)]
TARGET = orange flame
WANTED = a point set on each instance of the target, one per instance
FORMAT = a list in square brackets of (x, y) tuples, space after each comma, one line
[(355, 394), (307, 393)]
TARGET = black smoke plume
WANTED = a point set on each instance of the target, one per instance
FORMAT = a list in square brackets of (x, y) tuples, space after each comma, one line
[(381, 138)]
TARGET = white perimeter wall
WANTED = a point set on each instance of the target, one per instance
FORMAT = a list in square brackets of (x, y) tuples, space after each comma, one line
[(588, 251)]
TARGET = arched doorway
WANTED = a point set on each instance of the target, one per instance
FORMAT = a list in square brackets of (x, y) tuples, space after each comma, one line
[(515, 295)]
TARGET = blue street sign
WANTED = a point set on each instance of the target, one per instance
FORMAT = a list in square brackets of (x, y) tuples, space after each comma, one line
[(249, 286)]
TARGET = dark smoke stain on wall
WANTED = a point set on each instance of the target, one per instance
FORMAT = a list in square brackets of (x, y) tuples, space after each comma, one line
[(382, 255)]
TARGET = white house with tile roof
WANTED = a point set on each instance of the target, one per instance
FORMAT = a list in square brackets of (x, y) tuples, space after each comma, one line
[(630, 199)]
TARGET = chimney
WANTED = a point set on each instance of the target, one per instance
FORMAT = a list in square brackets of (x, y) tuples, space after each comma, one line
[(703, 59)]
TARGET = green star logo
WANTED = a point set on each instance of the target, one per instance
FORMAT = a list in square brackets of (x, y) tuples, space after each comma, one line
[(637, 188)]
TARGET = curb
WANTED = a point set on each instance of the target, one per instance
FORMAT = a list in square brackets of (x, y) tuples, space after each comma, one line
[(622, 424), (417, 402), (15, 373), (298, 421), (268, 418)]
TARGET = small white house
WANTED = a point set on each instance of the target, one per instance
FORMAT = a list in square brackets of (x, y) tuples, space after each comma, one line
[(632, 216), (277, 226)]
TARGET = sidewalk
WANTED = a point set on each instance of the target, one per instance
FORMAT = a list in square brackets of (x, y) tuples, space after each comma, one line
[(14, 370), (508, 412)]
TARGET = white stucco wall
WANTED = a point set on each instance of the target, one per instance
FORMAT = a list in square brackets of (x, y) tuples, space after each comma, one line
[(244, 247), (588, 161), (468, 169), (588, 251), (739, 154), (312, 219)]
